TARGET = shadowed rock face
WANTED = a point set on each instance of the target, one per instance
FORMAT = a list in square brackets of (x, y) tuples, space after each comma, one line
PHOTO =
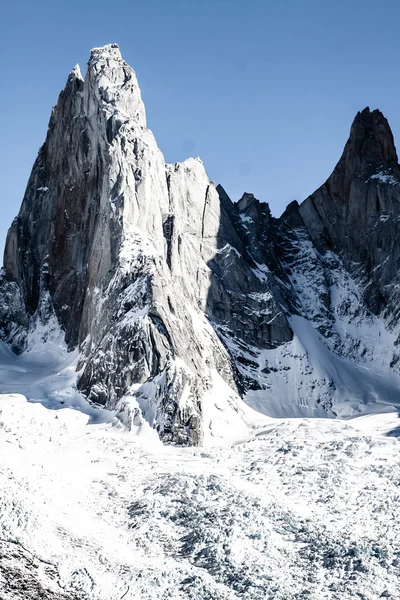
[(161, 280), (356, 211)]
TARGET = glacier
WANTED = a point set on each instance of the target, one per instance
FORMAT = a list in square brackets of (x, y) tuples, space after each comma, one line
[(297, 508)]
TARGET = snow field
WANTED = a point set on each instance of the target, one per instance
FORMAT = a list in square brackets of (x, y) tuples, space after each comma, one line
[(303, 508)]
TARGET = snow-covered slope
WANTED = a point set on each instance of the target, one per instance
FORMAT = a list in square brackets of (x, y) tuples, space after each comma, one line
[(303, 508)]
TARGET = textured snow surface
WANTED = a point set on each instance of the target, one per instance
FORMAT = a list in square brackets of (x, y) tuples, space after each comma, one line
[(302, 509)]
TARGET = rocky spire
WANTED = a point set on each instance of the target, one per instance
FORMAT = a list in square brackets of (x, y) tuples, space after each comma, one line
[(345, 213), (76, 73), (111, 82), (370, 144), (78, 169), (121, 248)]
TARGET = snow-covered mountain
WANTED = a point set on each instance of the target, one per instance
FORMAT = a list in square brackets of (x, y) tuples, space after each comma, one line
[(172, 303), (137, 292)]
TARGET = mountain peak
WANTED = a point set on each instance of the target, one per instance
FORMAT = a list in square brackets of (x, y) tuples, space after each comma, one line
[(371, 138), (109, 51), (179, 303), (114, 83), (75, 74)]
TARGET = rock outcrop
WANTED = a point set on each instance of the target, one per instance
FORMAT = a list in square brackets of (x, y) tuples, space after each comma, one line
[(180, 301)]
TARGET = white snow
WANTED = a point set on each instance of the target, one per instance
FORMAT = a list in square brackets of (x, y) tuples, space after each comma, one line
[(46, 373), (228, 248), (245, 221), (303, 508), (384, 177), (245, 218), (339, 362), (357, 387), (261, 296)]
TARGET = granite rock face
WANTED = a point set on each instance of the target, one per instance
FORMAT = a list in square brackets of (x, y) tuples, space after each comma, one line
[(183, 303), (356, 211), (115, 243)]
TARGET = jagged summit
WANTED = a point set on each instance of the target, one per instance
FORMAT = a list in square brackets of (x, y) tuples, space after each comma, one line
[(246, 200), (370, 144), (179, 303), (110, 79), (76, 73), (105, 52)]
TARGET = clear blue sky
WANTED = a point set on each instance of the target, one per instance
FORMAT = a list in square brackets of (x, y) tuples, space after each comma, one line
[(264, 92)]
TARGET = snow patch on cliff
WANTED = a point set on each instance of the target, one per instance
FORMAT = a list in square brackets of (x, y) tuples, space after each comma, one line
[(384, 177)]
